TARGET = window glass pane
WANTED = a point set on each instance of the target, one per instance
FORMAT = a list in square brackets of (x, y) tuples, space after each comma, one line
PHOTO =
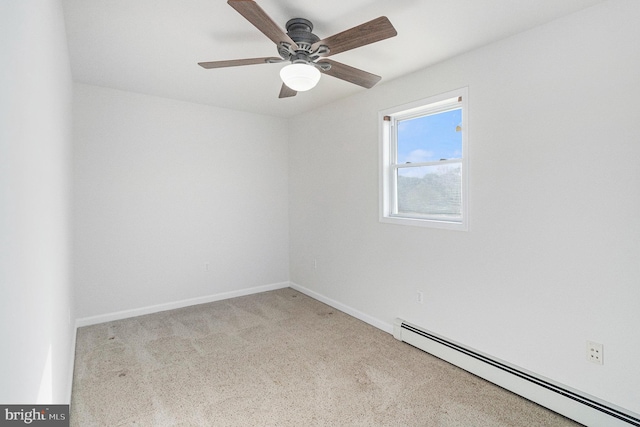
[(430, 138), (434, 191)]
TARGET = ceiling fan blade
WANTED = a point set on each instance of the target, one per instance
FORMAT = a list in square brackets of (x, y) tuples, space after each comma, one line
[(364, 34), (286, 92), (258, 17), (237, 62), (350, 74)]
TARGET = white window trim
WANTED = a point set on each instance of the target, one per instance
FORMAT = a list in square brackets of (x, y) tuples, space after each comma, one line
[(386, 152)]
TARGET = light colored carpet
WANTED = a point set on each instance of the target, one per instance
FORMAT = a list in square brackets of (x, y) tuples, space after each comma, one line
[(277, 358)]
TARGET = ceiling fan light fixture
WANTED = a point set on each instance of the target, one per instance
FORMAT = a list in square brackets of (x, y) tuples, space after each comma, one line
[(300, 77)]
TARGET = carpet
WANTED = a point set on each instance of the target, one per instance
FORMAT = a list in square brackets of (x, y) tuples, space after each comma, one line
[(278, 358)]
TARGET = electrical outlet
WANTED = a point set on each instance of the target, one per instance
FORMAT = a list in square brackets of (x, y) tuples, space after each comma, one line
[(420, 297), (206, 266), (595, 352)]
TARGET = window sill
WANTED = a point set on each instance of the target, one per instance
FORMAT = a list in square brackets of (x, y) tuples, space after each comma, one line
[(429, 223)]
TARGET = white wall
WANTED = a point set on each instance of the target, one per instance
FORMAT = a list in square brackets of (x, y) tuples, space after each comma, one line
[(552, 256), (35, 120), (161, 188)]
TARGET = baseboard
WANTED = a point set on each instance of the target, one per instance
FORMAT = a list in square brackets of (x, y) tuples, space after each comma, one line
[(72, 363), (108, 317), (387, 327), (571, 403)]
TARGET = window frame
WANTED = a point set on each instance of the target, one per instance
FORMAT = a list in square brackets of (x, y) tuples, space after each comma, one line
[(388, 120)]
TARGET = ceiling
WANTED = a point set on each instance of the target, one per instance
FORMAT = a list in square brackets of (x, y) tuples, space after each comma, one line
[(153, 46)]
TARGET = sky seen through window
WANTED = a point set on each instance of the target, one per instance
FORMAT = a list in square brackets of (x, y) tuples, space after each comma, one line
[(430, 138)]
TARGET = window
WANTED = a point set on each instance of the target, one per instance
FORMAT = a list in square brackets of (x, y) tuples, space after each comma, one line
[(423, 159)]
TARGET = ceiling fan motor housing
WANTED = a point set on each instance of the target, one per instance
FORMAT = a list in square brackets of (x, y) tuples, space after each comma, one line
[(299, 29)]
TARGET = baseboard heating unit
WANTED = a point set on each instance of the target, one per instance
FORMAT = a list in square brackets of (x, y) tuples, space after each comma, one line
[(573, 404)]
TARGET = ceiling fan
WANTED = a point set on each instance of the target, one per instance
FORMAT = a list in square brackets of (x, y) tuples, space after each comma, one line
[(306, 52)]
